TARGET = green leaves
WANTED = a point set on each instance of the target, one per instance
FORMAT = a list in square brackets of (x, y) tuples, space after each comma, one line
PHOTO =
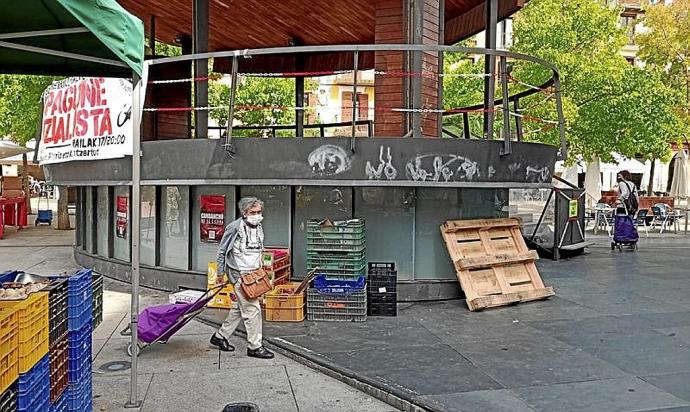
[(20, 108), (609, 105)]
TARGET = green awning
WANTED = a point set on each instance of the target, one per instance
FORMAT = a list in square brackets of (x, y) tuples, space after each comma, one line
[(70, 38)]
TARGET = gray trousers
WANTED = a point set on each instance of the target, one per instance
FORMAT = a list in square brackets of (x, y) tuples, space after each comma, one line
[(247, 310)]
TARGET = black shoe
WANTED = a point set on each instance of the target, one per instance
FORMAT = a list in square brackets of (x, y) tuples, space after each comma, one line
[(222, 343), (261, 353)]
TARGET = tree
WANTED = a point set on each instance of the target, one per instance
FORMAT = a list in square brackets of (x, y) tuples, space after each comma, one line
[(258, 102), (665, 46), (20, 112), (20, 109), (609, 105)]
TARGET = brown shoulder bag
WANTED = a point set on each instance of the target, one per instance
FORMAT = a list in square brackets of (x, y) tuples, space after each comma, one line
[(255, 284)]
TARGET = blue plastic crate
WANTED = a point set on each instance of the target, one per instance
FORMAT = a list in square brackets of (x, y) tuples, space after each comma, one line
[(8, 276), (326, 285), (33, 387), (80, 299), (79, 397), (60, 405), (79, 354)]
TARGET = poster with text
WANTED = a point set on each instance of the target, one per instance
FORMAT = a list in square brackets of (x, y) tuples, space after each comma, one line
[(212, 218), (121, 217), (86, 118)]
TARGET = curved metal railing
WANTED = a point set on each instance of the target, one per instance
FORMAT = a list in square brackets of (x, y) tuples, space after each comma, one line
[(414, 107)]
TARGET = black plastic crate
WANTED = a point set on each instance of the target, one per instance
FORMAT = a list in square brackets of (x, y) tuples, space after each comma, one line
[(57, 310), (375, 267), (8, 399), (382, 304), (380, 282), (382, 309), (97, 300)]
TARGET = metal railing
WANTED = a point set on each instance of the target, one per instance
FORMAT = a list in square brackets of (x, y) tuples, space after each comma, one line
[(272, 129), (413, 107)]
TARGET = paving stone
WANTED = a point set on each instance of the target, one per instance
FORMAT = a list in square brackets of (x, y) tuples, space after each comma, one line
[(520, 362), (613, 395), (421, 370), (502, 400), (677, 384)]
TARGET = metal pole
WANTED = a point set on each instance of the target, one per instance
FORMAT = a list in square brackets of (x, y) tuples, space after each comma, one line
[(563, 152), (417, 69), (490, 68), (518, 119), (441, 41), (200, 23), (229, 145), (506, 108), (138, 94), (299, 103), (466, 126), (355, 67)]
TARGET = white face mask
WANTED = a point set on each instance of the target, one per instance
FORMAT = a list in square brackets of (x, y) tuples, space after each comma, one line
[(254, 219)]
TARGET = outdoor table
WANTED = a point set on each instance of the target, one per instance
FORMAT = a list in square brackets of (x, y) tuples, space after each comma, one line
[(601, 214), (12, 213)]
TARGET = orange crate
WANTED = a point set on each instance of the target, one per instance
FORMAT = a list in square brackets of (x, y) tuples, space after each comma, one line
[(33, 328), (282, 306), (9, 371)]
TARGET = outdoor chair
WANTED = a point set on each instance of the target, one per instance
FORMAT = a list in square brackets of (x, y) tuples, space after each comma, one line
[(641, 219), (663, 216)]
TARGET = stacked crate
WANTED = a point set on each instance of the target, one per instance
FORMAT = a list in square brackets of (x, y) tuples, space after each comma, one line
[(80, 325), (97, 300), (57, 340), (276, 262), (337, 248), (382, 296), (8, 399), (33, 388), (9, 351), (32, 328), (337, 300)]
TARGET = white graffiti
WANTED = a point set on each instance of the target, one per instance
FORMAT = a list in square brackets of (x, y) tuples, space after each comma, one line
[(445, 167), (514, 167), (385, 167), (542, 175), (329, 160), (491, 172)]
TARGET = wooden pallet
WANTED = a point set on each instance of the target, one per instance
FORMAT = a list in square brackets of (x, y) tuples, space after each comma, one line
[(493, 263)]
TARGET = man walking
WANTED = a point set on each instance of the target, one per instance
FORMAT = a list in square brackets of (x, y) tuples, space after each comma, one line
[(240, 253)]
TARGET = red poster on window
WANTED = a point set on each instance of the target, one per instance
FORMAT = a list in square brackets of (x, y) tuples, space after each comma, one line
[(212, 218), (121, 217)]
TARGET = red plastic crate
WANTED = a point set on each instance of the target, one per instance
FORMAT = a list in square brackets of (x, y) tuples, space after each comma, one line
[(58, 368)]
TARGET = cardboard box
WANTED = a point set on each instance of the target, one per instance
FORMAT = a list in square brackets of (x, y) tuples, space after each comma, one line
[(185, 296)]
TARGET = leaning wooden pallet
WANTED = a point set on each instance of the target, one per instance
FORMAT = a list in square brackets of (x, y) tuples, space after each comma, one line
[(493, 263)]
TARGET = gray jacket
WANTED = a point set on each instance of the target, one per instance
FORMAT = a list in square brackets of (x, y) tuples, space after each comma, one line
[(226, 260)]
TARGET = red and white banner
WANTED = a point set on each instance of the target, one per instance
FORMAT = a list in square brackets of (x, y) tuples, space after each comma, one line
[(212, 218), (121, 217), (86, 119)]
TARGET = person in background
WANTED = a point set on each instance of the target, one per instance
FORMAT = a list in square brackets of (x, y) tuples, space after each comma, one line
[(627, 192), (240, 253)]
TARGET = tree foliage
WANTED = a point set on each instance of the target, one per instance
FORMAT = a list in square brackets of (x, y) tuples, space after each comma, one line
[(20, 108), (608, 104), (665, 46), (611, 106)]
